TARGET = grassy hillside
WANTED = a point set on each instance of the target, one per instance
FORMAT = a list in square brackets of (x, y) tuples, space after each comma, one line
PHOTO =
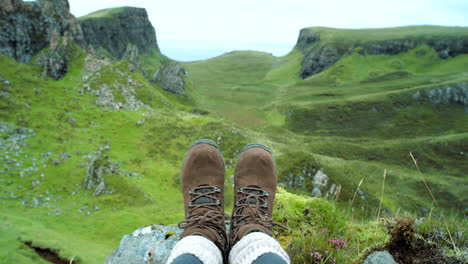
[(359, 36), (352, 121)]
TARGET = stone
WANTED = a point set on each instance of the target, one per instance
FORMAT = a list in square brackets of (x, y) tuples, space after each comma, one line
[(100, 189), (171, 78), (97, 167), (56, 162), (320, 182), (114, 31), (151, 244), (29, 27), (54, 61), (456, 93), (120, 94), (319, 59), (319, 56), (64, 155), (35, 183), (306, 38), (131, 55), (380, 257)]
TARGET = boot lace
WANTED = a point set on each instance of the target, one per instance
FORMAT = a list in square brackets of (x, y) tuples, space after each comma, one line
[(252, 208), (205, 197)]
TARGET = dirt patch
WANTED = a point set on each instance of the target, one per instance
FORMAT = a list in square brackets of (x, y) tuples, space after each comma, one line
[(49, 254), (408, 248)]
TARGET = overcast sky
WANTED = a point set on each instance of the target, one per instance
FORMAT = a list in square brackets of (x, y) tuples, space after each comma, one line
[(199, 29)]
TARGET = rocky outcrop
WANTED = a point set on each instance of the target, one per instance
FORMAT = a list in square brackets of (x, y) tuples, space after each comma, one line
[(113, 29), (319, 56), (118, 94), (171, 78), (456, 93), (98, 166), (131, 55), (311, 179), (54, 61), (306, 38), (151, 244), (28, 27)]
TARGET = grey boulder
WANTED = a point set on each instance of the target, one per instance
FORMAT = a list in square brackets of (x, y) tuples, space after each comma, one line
[(151, 244)]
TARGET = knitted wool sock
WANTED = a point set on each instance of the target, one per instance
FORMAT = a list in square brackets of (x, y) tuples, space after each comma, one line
[(252, 246), (199, 246)]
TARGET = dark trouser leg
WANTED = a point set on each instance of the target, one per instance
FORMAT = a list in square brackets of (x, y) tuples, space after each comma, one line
[(187, 259), (269, 258)]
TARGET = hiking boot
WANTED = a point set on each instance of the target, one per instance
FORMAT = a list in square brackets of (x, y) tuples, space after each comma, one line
[(203, 189), (254, 192)]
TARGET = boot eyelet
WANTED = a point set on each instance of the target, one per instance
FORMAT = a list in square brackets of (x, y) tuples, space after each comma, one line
[(266, 194), (216, 189), (237, 203), (240, 190), (190, 204), (190, 191), (218, 202)]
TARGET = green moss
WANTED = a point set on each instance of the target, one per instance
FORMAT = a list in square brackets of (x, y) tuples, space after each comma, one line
[(318, 226)]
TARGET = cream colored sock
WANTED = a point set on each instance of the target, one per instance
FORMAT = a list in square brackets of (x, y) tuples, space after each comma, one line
[(199, 246), (252, 246)]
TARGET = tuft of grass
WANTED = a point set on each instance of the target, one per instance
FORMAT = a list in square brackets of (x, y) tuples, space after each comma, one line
[(319, 232)]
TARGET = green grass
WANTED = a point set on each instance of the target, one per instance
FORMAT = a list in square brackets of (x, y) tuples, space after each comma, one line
[(361, 36), (357, 117), (104, 13), (352, 121)]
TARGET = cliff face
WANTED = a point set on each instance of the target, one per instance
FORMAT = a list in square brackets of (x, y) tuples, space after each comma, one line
[(28, 27), (114, 29), (321, 52)]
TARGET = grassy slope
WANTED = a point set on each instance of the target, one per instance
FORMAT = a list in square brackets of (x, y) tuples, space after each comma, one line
[(360, 36), (354, 119), (253, 90)]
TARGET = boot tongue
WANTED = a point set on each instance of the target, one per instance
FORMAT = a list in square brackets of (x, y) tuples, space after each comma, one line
[(253, 200), (203, 199)]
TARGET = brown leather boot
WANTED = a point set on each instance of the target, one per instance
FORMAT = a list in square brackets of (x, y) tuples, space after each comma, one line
[(203, 189), (255, 188)]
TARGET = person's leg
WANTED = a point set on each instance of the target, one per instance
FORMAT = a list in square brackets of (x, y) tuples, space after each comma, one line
[(186, 259), (258, 248), (269, 258), (204, 233), (251, 226), (195, 249)]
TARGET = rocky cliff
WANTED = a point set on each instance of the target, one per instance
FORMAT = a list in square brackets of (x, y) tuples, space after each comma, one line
[(28, 27), (113, 29), (324, 46)]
